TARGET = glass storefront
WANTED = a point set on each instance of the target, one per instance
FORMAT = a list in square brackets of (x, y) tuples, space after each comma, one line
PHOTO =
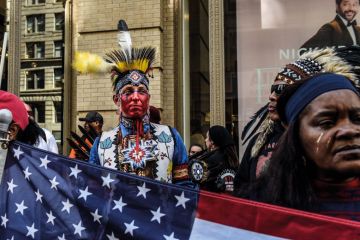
[(199, 70), (261, 37)]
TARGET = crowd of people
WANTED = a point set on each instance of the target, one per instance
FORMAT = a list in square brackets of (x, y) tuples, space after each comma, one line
[(305, 154)]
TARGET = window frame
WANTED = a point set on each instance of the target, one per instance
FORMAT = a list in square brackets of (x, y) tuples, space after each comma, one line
[(35, 2), (55, 75), (36, 46), (35, 78), (56, 19), (35, 26), (58, 48)]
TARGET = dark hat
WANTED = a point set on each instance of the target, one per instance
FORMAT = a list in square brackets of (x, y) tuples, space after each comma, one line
[(220, 136), (92, 116)]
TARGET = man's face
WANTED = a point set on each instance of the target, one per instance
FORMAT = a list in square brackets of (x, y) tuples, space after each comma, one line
[(96, 125), (276, 89), (348, 9), (133, 101)]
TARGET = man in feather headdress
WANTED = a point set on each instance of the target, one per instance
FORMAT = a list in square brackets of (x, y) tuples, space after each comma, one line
[(263, 140), (136, 145)]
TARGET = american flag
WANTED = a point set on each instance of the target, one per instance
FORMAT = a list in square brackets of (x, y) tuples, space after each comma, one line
[(48, 196)]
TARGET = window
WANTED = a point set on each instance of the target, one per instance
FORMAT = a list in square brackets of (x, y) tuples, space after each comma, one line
[(34, 2), (58, 49), (35, 79), (38, 110), (58, 77), (35, 50), (58, 112), (57, 135), (59, 21), (35, 23)]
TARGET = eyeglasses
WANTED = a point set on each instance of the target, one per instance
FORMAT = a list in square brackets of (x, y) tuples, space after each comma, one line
[(278, 88)]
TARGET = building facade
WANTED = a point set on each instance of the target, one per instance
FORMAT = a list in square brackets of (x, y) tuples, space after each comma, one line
[(42, 71)]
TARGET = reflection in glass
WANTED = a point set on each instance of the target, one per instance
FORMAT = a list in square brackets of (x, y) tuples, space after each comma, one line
[(199, 70), (231, 104)]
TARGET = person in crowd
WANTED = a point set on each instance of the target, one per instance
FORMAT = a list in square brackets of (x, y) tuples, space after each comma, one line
[(197, 136), (342, 31), (20, 119), (316, 165), (195, 148), (23, 128), (221, 161), (93, 120), (259, 150), (46, 139), (136, 145), (155, 115), (93, 123)]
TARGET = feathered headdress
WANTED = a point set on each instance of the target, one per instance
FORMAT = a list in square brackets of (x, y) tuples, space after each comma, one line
[(127, 65), (344, 61)]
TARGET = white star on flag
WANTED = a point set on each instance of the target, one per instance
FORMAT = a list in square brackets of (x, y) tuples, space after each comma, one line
[(96, 216), (51, 218), (181, 200), (17, 153), (54, 183), (62, 237), (67, 206), (78, 228), (170, 237), (27, 173), (4, 220), (143, 190), (38, 196), (44, 162), (130, 227), (20, 207), (11, 186), (75, 171), (119, 204), (84, 193), (107, 180), (157, 215), (31, 231), (112, 237)]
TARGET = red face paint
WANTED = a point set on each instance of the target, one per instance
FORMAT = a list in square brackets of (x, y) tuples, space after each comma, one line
[(134, 101)]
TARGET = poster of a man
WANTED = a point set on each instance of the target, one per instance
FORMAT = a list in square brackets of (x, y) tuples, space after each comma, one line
[(342, 31)]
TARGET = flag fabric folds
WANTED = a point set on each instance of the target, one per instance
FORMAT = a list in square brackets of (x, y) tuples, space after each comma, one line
[(48, 196)]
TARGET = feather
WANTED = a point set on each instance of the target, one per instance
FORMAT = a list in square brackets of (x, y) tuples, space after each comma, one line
[(254, 123), (80, 153), (124, 38), (141, 59), (352, 56), (85, 62)]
